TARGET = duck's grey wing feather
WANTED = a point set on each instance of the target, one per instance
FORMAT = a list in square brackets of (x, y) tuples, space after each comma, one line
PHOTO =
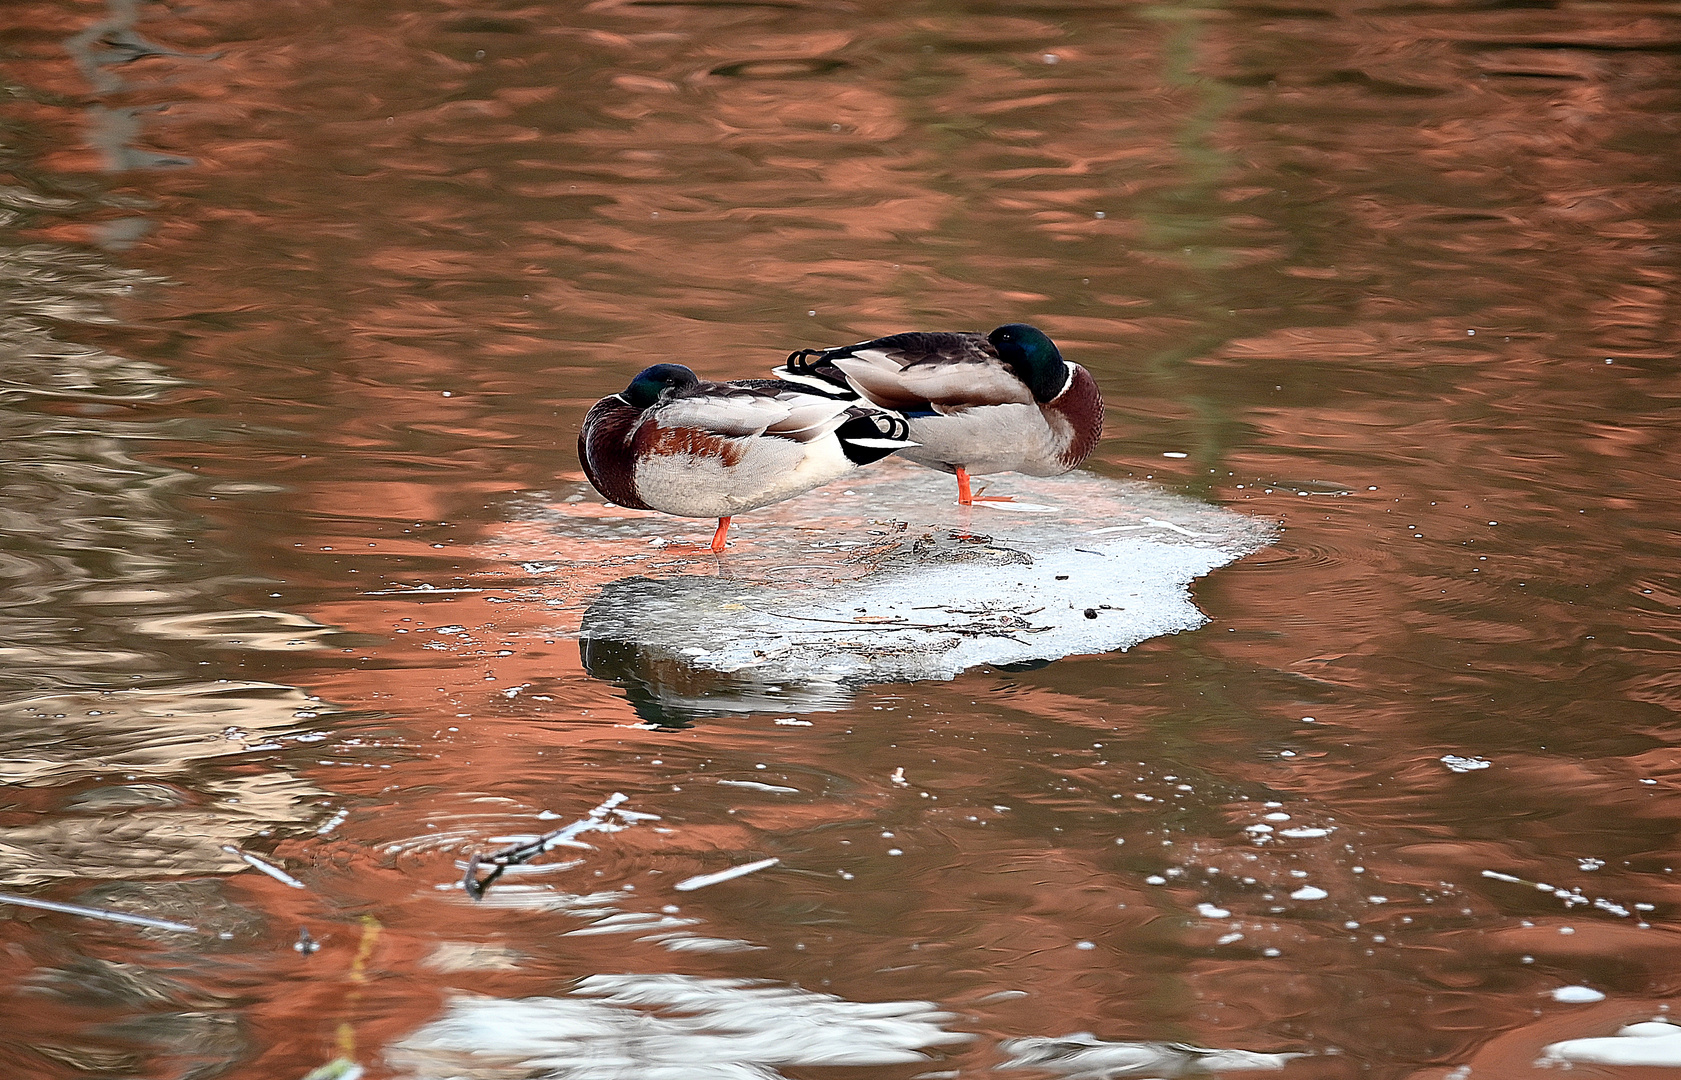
[(941, 387), (723, 412), (923, 347)]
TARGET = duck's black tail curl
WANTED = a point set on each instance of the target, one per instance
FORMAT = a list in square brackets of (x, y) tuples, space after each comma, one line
[(868, 435), (809, 369)]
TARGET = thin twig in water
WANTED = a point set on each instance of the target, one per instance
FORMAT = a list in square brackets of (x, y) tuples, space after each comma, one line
[(841, 622), (268, 868), (96, 913), (519, 854)]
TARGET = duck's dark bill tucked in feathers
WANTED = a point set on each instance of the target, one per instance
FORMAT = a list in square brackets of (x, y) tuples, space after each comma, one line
[(1000, 402), (673, 443)]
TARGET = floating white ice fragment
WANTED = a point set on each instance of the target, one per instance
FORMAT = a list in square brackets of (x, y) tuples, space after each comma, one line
[(1455, 763), (1651, 1043), (1309, 892), (701, 881), (1209, 911), (1108, 566), (1577, 995)]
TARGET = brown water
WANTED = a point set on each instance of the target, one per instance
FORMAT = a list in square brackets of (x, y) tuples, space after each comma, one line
[(303, 302)]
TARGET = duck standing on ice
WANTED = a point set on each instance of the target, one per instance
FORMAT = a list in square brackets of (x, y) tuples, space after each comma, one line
[(673, 443), (976, 403)]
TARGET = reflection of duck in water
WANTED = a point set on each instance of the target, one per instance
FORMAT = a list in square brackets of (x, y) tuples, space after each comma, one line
[(639, 633), (1000, 402), (673, 443)]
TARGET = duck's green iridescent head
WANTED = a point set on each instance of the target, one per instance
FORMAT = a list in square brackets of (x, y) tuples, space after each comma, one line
[(1033, 357), (650, 383)]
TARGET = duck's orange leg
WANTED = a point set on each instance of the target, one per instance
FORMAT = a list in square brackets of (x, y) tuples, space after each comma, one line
[(718, 537), (964, 498)]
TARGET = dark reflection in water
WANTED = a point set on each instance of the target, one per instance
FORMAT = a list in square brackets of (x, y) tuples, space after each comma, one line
[(300, 306), (669, 693), (665, 688)]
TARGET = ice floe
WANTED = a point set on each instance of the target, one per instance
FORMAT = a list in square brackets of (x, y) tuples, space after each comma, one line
[(890, 580)]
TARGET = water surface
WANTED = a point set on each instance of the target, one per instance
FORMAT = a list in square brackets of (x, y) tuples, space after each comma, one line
[(302, 306)]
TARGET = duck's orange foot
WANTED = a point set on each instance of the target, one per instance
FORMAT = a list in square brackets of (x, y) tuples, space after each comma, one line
[(965, 498)]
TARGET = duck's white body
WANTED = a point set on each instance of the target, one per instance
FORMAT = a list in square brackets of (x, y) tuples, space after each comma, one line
[(672, 443)]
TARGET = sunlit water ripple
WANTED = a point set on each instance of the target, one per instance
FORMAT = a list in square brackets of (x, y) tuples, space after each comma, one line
[(300, 308)]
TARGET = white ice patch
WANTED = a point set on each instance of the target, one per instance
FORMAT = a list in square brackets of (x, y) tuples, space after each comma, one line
[(821, 593), (1651, 1043), (1577, 995)]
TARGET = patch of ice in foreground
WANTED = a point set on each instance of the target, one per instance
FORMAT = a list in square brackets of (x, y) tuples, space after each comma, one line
[(889, 579), (668, 1027), (1652, 1043), (1085, 1057)]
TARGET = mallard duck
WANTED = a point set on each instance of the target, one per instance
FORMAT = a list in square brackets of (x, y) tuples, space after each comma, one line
[(673, 443), (976, 403)]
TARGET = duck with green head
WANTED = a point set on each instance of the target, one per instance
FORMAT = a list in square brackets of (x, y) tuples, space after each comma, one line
[(673, 443), (975, 403)]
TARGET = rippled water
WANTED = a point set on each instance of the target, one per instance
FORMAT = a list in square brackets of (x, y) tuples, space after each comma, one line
[(301, 305)]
